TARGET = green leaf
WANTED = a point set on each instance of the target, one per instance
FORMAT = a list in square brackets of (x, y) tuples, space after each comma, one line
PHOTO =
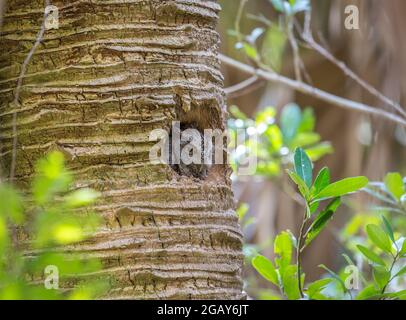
[(250, 51), (81, 197), (278, 5), (318, 151), (283, 247), (270, 169), (289, 281), (65, 233), (381, 276), (322, 180), (249, 221), (379, 237), (273, 47), (293, 239), (304, 139), (400, 295), (335, 276), (403, 250), (367, 292), (317, 286), (4, 237), (313, 207), (268, 295), (11, 204), (308, 121), (265, 268), (401, 272), (274, 136), (303, 188), (373, 257), (51, 177), (290, 120), (237, 113), (388, 229), (342, 187), (242, 211), (320, 222), (303, 166), (394, 184), (266, 116)]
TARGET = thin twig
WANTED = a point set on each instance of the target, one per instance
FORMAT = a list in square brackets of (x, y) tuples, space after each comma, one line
[(395, 259), (16, 101), (307, 22), (312, 91), (295, 49), (299, 252), (242, 86), (260, 18), (248, 90), (238, 19), (348, 72), (301, 43), (308, 38), (256, 85)]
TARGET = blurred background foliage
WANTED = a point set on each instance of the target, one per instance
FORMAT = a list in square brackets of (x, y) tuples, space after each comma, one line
[(33, 229), (349, 143), (275, 140)]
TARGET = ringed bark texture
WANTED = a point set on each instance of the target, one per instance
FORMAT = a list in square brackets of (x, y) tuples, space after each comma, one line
[(94, 89)]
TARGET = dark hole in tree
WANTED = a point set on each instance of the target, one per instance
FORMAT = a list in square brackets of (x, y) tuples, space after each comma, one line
[(194, 169)]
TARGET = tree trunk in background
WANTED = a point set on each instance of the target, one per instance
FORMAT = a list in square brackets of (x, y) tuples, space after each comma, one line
[(95, 88)]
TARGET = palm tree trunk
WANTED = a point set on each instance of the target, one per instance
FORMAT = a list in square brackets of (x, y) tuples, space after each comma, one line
[(94, 89)]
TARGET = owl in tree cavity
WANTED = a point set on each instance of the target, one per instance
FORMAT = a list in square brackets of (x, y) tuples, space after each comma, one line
[(189, 154)]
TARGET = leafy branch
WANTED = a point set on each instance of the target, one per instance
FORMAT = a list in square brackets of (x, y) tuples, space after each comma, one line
[(314, 220), (314, 194)]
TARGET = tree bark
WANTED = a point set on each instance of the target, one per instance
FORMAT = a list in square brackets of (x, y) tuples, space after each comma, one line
[(94, 89)]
